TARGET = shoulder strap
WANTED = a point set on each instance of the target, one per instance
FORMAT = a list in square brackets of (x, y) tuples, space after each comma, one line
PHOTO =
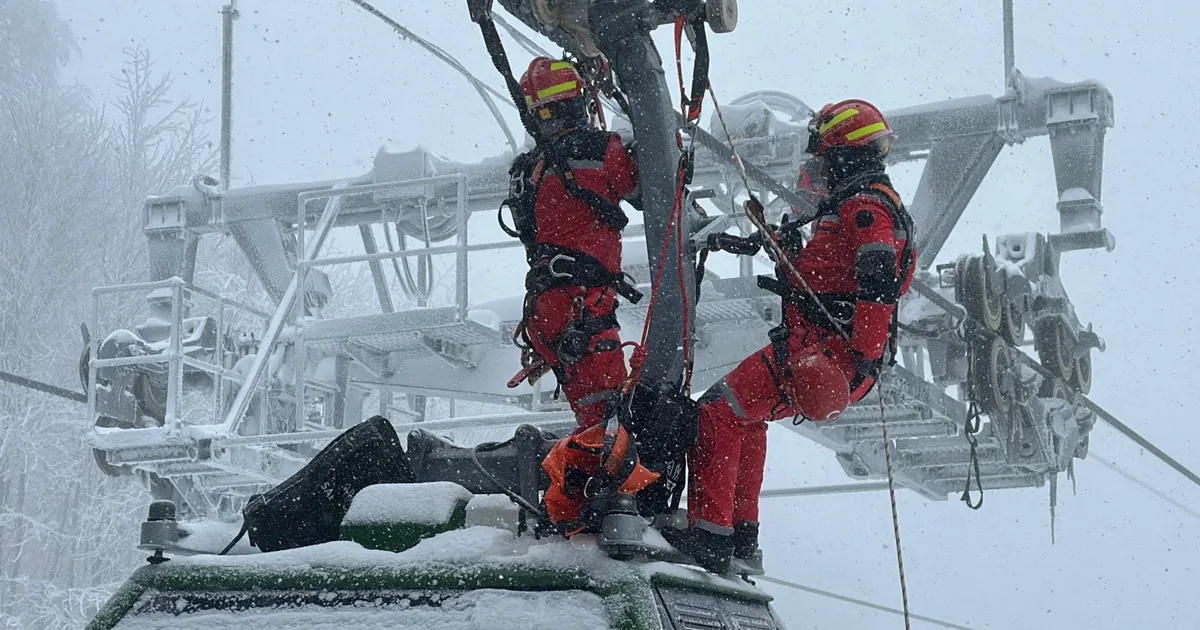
[(903, 221), (610, 213)]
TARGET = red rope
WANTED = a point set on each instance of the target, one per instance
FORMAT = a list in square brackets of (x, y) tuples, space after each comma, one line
[(690, 114)]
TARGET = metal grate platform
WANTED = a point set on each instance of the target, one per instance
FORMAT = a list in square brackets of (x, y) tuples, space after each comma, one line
[(399, 332)]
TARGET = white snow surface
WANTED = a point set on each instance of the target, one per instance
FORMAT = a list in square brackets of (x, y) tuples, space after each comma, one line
[(493, 510), (430, 503), (1075, 194), (484, 609), (211, 536), (466, 548)]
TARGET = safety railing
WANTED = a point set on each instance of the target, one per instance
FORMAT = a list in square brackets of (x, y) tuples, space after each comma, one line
[(290, 309), (186, 304)]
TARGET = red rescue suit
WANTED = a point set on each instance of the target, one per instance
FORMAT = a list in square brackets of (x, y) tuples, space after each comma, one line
[(573, 246), (822, 373)]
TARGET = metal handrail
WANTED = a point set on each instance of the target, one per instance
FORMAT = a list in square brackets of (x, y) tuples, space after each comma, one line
[(286, 303)]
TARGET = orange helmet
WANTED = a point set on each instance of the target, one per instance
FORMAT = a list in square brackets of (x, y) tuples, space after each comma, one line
[(850, 123), (549, 81)]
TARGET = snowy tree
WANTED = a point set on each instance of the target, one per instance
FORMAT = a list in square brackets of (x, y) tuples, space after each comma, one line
[(74, 178)]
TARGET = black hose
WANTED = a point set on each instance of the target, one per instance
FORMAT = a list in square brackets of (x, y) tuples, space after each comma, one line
[(245, 528), (516, 498)]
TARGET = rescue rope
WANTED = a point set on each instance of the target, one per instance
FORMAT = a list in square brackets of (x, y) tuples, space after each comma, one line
[(690, 108), (859, 602), (887, 454), (513, 496)]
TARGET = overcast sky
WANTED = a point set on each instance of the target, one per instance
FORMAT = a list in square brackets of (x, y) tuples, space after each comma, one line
[(320, 85)]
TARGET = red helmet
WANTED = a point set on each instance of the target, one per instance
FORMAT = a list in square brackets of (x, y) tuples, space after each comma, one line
[(817, 388), (850, 123), (550, 81)]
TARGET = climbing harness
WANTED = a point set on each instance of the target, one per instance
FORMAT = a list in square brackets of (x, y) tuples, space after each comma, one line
[(529, 171)]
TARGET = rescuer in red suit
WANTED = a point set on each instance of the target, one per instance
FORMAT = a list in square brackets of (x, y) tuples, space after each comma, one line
[(564, 196), (564, 199), (858, 264)]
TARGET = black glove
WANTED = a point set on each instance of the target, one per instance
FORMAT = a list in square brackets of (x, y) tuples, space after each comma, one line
[(631, 149), (742, 245), (865, 369)]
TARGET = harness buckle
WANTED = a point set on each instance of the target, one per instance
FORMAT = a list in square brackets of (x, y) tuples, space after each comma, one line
[(556, 258)]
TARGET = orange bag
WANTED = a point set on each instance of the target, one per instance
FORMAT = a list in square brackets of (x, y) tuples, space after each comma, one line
[(574, 469)]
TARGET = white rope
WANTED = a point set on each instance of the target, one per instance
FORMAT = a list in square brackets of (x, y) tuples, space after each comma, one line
[(887, 454)]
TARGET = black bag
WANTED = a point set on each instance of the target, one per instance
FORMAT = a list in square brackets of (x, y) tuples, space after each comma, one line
[(307, 508), (665, 425)]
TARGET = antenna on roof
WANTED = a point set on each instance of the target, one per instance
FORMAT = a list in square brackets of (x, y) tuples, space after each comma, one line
[(229, 13), (1009, 48)]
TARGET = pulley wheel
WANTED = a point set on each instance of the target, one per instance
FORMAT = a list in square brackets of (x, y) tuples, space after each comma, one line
[(991, 371), (977, 294), (1012, 325), (1081, 377), (545, 11), (1053, 346), (722, 15), (1055, 388)]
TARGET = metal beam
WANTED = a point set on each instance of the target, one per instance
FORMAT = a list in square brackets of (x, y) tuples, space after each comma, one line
[(955, 169), (622, 30), (381, 287), (1010, 54)]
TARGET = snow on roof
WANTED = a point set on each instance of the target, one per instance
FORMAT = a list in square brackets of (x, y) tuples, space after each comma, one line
[(468, 610), (473, 545), (211, 536), (430, 503), (467, 549)]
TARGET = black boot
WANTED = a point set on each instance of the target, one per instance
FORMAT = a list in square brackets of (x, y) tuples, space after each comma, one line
[(710, 550), (748, 557), (745, 539)]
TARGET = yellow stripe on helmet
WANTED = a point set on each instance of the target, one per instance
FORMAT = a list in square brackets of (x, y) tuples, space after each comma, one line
[(866, 131), (557, 89), (844, 116), (560, 65)]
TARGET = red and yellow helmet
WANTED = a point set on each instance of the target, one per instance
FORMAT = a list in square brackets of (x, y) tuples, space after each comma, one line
[(850, 123), (549, 81)]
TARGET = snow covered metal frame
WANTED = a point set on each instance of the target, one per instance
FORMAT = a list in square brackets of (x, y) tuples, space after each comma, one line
[(428, 352)]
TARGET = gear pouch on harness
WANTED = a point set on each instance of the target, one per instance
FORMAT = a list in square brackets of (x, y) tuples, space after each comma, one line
[(307, 508)]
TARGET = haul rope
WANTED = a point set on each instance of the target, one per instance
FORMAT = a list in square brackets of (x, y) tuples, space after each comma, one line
[(45, 388)]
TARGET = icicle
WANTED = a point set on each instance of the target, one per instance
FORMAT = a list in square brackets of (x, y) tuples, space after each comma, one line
[(1053, 502)]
